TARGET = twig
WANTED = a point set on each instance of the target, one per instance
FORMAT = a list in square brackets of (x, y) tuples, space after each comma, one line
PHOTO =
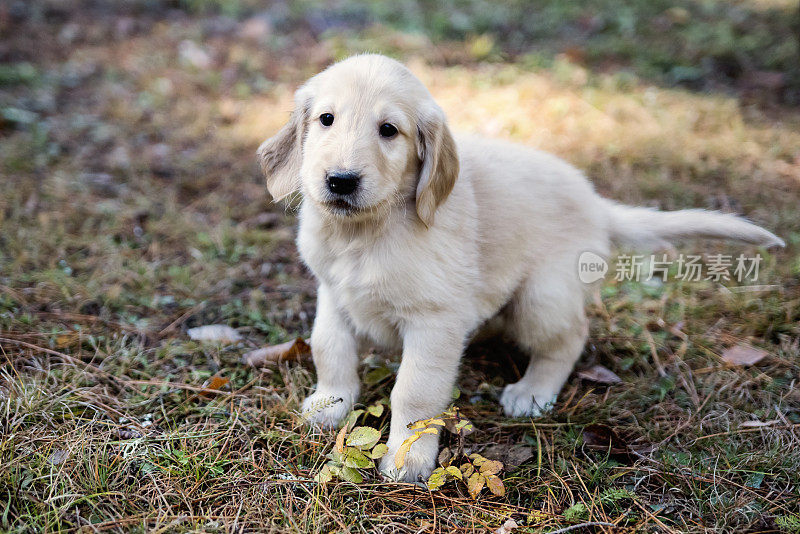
[(582, 525)]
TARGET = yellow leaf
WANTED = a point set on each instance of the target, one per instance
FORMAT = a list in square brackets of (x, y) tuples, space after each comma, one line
[(491, 467), (454, 472), (477, 459), (467, 469), (340, 440), (437, 479), (475, 484), (495, 485), (400, 455), (416, 425)]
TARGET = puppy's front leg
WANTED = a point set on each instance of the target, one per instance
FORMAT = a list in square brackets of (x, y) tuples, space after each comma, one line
[(335, 353), (423, 389)]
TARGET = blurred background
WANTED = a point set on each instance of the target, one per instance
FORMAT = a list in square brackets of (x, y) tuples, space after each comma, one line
[(128, 128), (131, 209)]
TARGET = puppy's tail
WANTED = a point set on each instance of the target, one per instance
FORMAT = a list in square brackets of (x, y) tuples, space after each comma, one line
[(650, 228)]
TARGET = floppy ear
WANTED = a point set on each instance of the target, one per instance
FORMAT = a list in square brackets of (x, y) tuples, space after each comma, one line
[(439, 169), (281, 155)]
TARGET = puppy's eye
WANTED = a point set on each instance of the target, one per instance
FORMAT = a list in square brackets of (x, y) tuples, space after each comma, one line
[(387, 130), (326, 119)]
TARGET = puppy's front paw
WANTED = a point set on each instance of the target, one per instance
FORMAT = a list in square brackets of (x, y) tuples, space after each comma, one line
[(419, 460), (326, 409), (521, 400)]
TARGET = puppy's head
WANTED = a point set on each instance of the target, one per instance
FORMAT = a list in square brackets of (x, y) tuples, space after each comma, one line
[(365, 136)]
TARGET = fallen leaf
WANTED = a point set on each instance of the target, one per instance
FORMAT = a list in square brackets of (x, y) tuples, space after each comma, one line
[(599, 374), (58, 456), (604, 438), (125, 433), (512, 456), (219, 333), (213, 385), (289, 351), (507, 527), (758, 424), (743, 355)]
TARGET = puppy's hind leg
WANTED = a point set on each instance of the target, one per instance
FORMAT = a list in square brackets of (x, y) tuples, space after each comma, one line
[(547, 320)]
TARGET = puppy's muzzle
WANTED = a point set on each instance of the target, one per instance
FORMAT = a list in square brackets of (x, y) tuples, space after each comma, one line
[(342, 182)]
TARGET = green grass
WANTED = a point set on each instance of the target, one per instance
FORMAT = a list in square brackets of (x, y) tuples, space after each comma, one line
[(132, 209)]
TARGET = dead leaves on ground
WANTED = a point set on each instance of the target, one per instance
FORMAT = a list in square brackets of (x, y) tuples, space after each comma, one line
[(511, 455), (450, 419), (743, 355), (603, 438), (213, 386), (289, 351), (600, 375), (223, 334), (476, 472)]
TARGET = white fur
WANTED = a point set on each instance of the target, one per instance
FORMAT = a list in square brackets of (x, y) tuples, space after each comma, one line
[(416, 269)]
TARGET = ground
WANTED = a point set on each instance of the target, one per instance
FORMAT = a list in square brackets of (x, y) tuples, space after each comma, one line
[(132, 209)]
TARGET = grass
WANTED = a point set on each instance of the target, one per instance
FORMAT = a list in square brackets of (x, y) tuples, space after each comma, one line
[(132, 210)]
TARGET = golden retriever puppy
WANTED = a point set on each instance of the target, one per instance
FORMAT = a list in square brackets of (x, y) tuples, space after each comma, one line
[(418, 239)]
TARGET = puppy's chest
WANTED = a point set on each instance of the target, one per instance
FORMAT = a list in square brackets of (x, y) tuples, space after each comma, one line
[(375, 285), (364, 278)]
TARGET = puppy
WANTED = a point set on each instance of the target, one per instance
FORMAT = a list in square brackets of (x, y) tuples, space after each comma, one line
[(418, 240)]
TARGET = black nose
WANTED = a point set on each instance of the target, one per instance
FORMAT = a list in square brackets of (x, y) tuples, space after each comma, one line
[(343, 182)]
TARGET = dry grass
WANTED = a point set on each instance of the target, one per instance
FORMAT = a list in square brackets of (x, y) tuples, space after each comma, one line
[(132, 210)]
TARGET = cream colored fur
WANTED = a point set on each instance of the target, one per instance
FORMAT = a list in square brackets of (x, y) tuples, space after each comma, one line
[(442, 236)]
